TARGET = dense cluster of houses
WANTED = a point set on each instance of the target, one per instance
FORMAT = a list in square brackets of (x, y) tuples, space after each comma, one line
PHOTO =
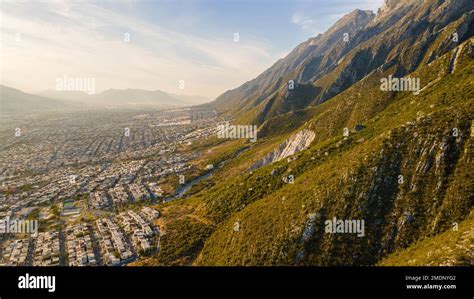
[(47, 249), (98, 200), (113, 244), (80, 251), (15, 252), (140, 231), (64, 171)]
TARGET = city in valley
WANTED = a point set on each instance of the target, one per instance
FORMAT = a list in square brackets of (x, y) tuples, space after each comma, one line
[(93, 180), (168, 133)]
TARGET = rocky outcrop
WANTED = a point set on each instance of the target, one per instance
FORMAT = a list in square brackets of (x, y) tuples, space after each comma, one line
[(390, 5), (292, 145), (404, 35)]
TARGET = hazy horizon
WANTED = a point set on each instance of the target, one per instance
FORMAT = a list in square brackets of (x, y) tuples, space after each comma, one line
[(189, 50)]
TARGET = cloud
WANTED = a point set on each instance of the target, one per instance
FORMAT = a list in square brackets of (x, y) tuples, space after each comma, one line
[(84, 39), (304, 22), (316, 17), (315, 24)]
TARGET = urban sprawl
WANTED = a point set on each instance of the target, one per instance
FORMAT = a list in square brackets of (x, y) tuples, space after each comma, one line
[(93, 181)]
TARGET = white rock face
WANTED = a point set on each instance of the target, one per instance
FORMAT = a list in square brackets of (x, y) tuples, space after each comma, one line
[(292, 145)]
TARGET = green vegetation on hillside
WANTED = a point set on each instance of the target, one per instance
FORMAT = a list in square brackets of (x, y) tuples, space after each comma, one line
[(407, 173)]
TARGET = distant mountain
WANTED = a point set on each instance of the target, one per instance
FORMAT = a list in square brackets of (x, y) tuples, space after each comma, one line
[(63, 95), (14, 102), (126, 98), (190, 100), (404, 34), (135, 97)]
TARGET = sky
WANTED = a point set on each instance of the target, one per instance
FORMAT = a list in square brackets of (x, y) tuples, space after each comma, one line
[(191, 47)]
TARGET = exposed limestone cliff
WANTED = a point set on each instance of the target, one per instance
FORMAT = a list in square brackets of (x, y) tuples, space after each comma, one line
[(292, 145)]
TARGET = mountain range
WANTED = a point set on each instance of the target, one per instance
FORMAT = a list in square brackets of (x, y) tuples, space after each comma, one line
[(333, 144), (339, 146), (15, 102), (403, 35), (127, 97)]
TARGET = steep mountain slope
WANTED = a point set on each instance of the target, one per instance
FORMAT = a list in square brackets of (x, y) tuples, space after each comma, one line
[(358, 179), (452, 248), (403, 35), (255, 91), (258, 218)]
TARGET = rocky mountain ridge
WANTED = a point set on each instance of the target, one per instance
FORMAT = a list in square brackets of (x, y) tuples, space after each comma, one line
[(403, 35)]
